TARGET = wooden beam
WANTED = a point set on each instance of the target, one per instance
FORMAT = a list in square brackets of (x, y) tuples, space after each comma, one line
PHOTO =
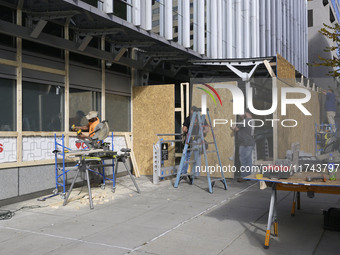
[(182, 104), (32, 67), (103, 87), (8, 62), (50, 133), (269, 68), (8, 134), (120, 54), (132, 156), (41, 133), (67, 88), (27, 163), (20, 4), (43, 69), (19, 89), (38, 28), (275, 130), (188, 99), (85, 42), (121, 133)]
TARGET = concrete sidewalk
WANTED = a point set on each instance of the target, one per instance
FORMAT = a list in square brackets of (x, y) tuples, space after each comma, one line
[(164, 220)]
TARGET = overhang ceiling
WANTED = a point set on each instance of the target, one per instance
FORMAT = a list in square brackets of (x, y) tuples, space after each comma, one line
[(88, 22)]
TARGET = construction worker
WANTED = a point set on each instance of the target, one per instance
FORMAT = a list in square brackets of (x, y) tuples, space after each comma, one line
[(92, 118), (246, 144), (330, 107), (195, 140)]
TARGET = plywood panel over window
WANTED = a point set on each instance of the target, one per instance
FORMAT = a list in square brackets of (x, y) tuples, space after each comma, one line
[(224, 136), (153, 113), (304, 132)]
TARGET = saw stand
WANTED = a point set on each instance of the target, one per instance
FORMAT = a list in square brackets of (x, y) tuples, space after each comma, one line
[(84, 165), (122, 155)]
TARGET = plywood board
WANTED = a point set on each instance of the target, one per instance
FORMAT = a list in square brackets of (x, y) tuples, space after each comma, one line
[(153, 113), (304, 132), (224, 136), (285, 70), (301, 177)]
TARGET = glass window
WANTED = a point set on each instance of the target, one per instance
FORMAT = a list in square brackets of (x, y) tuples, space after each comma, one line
[(331, 15), (156, 17), (310, 18), (81, 103), (42, 107), (119, 9), (8, 105), (86, 60), (91, 2), (41, 49), (118, 112)]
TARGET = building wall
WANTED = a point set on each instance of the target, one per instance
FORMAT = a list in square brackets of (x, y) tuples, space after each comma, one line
[(229, 28), (27, 162), (154, 113), (253, 29), (20, 181), (336, 7), (319, 14)]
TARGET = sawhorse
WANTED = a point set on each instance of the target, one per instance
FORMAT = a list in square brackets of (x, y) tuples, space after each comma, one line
[(296, 188)]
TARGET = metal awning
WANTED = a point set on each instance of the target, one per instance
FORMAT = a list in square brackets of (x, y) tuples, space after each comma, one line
[(234, 67), (88, 22)]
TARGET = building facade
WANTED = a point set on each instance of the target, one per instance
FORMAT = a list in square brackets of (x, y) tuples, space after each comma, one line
[(319, 13), (230, 29), (60, 59)]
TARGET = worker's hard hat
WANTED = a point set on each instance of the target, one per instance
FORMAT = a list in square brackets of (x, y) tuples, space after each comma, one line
[(91, 115)]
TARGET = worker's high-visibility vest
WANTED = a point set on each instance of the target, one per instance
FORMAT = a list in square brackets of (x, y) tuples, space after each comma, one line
[(92, 126)]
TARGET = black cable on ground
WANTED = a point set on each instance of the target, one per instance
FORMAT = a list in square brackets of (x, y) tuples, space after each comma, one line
[(7, 214)]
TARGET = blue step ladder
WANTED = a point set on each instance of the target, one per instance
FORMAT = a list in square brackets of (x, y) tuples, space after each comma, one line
[(200, 119)]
